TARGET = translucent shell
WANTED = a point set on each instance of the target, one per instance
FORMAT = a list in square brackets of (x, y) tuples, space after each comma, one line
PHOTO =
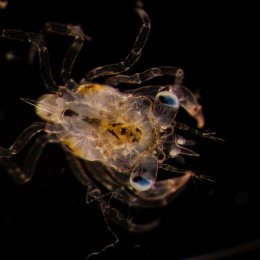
[(124, 131), (115, 142), (105, 125)]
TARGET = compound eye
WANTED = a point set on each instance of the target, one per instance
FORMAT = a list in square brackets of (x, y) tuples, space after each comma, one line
[(168, 99), (166, 106), (141, 183), (143, 176)]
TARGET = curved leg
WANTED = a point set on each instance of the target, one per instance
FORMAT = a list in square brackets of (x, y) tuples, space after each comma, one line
[(17, 174), (73, 51), (33, 155), (132, 57), (189, 103), (43, 54), (129, 222), (121, 213), (152, 73), (42, 50), (23, 139), (21, 176), (78, 170), (93, 192)]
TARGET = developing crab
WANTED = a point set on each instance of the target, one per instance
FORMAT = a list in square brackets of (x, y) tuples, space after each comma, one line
[(115, 142)]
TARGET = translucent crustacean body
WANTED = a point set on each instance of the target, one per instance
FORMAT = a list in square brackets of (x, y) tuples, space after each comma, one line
[(115, 141)]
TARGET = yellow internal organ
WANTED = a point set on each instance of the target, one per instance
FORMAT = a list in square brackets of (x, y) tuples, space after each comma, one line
[(123, 132), (69, 143), (112, 136), (88, 88)]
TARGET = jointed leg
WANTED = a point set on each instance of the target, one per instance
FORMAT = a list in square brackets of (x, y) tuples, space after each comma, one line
[(22, 140), (132, 57), (93, 192), (18, 175), (78, 170), (152, 73), (11, 167), (43, 54), (24, 175), (33, 155), (73, 51), (189, 103)]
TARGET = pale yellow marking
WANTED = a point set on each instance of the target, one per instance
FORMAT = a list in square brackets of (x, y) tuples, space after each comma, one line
[(69, 143), (88, 88)]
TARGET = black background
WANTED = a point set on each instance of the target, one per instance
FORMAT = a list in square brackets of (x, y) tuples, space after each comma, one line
[(217, 47)]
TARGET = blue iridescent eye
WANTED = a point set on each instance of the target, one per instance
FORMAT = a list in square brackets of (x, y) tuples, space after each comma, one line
[(143, 176), (141, 183), (168, 99)]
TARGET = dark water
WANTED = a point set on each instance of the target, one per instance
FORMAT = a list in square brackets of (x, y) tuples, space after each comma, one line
[(216, 45)]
